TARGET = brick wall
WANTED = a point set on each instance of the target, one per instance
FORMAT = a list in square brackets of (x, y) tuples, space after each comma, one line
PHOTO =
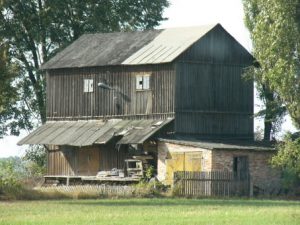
[(263, 176)]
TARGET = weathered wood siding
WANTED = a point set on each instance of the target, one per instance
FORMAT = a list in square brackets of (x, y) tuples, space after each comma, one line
[(85, 161), (212, 97), (67, 100), (113, 157), (59, 163)]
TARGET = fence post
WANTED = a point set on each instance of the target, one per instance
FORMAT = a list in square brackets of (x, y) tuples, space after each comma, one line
[(251, 187)]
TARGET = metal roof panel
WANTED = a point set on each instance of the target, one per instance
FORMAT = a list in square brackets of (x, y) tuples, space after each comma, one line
[(177, 40), (127, 48), (86, 133)]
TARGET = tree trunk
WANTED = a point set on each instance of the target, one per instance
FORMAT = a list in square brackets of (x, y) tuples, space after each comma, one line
[(267, 130), (269, 116)]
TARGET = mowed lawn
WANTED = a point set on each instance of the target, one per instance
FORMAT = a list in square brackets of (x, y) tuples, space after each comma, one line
[(150, 211)]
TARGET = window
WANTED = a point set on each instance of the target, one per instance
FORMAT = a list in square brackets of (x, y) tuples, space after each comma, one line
[(88, 85), (143, 82)]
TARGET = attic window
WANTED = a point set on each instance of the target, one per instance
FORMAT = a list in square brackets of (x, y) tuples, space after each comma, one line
[(88, 85), (143, 82)]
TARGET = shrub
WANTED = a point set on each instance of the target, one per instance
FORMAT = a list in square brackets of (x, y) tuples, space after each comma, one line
[(288, 160), (149, 189), (149, 173)]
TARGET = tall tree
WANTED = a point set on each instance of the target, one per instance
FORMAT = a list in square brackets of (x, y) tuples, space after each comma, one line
[(274, 27), (36, 29), (12, 114)]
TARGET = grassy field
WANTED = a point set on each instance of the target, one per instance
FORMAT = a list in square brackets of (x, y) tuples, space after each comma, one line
[(150, 211)]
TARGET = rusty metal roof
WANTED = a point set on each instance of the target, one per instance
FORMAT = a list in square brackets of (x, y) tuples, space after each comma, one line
[(86, 133), (127, 48)]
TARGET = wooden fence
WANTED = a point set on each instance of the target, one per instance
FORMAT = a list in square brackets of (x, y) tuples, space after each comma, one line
[(109, 190), (214, 183)]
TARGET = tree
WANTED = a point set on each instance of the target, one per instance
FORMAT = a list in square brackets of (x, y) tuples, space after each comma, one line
[(288, 159), (274, 27), (35, 30), (12, 114), (274, 111)]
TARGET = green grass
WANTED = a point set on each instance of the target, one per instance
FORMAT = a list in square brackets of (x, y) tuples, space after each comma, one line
[(150, 211)]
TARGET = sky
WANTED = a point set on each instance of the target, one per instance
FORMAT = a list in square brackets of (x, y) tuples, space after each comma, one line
[(183, 13)]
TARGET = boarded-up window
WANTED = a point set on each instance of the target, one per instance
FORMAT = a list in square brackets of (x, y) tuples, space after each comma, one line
[(88, 85), (143, 82)]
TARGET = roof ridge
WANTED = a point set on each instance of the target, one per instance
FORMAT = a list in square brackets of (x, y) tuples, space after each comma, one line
[(122, 32), (151, 46)]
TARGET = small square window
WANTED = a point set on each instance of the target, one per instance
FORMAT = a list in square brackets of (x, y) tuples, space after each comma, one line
[(143, 82), (88, 85)]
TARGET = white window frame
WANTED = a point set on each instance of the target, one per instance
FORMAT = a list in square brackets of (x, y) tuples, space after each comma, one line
[(88, 85), (143, 82)]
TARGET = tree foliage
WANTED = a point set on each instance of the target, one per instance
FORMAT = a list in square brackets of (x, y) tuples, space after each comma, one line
[(288, 159), (35, 30), (12, 113), (274, 27), (37, 155)]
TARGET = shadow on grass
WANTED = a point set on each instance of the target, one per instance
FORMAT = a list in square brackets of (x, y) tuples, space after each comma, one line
[(183, 202)]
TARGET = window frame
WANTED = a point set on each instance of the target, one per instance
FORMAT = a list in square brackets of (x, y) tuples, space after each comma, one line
[(88, 85), (146, 82)]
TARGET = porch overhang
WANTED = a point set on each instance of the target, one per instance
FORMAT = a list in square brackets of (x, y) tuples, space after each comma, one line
[(86, 133)]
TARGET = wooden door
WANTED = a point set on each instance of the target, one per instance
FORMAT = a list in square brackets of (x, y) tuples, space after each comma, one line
[(185, 161), (241, 167), (143, 104), (88, 162), (175, 162), (192, 161)]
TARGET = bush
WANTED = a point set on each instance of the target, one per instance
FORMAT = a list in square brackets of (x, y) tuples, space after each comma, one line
[(15, 176), (288, 160), (9, 187), (149, 189), (149, 173)]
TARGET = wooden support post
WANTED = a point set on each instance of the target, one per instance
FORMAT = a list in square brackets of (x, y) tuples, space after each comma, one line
[(251, 188)]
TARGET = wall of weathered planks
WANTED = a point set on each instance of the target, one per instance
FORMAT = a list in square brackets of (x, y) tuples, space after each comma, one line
[(213, 99), (204, 87), (67, 100), (84, 161)]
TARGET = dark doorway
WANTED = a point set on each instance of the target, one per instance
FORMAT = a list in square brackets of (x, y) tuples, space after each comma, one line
[(241, 167)]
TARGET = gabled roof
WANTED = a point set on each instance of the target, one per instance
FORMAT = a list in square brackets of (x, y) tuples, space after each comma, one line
[(168, 45), (127, 48)]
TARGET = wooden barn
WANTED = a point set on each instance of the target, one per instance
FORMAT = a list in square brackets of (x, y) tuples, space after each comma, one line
[(113, 96)]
